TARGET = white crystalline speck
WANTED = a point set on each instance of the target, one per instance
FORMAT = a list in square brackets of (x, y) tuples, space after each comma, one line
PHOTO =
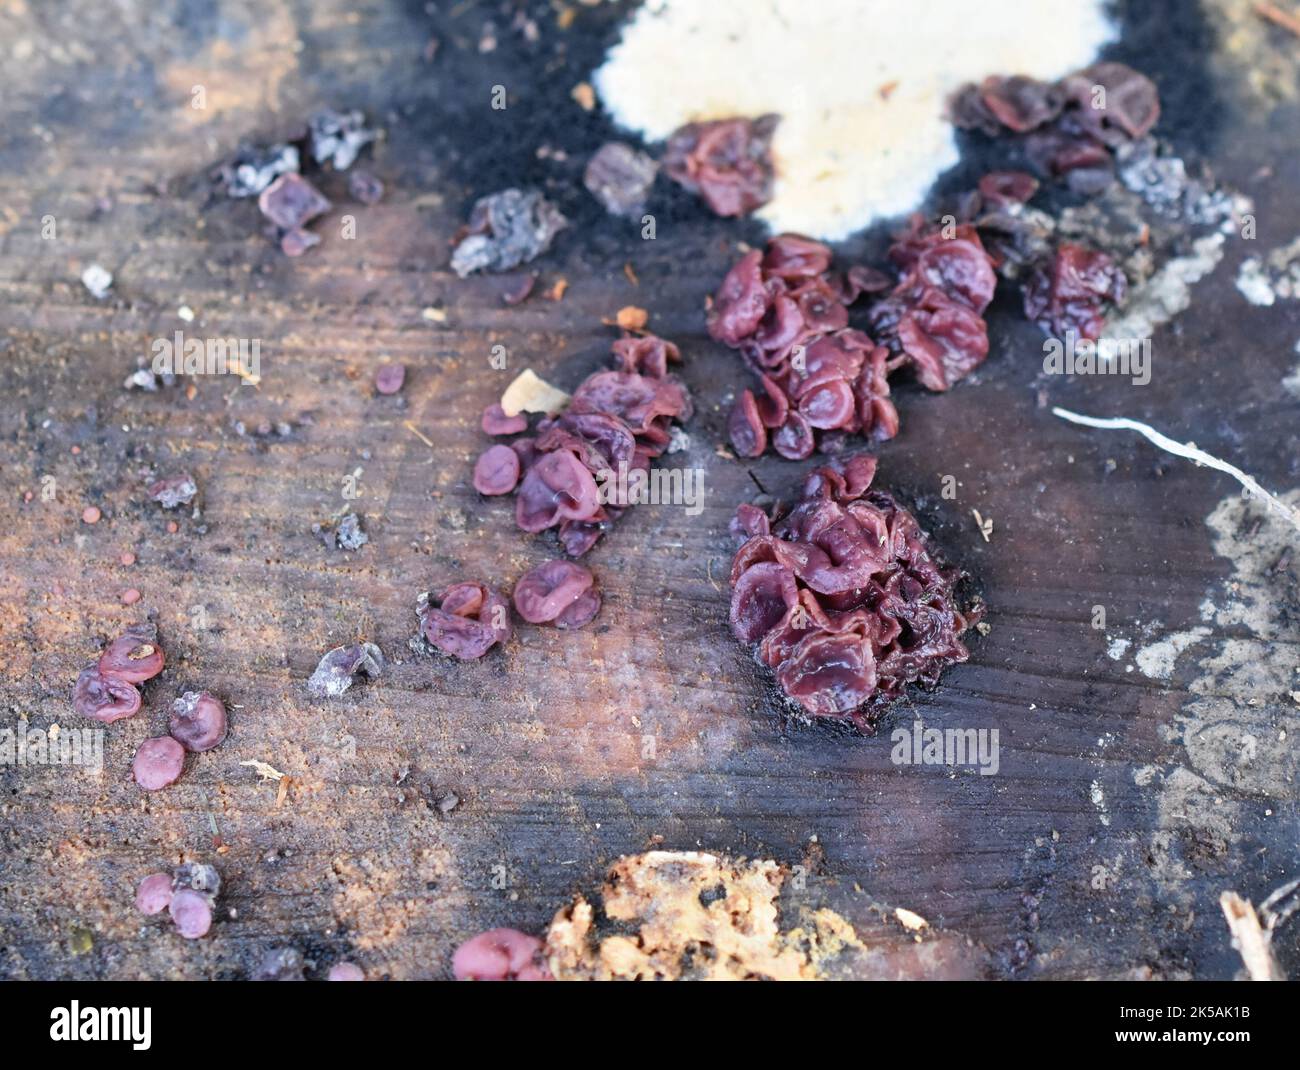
[(98, 280)]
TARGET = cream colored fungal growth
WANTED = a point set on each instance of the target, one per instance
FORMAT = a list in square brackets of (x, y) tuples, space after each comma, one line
[(860, 86), (673, 916)]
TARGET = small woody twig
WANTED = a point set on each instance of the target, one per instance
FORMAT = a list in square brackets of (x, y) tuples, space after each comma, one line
[(1278, 17), (1250, 938)]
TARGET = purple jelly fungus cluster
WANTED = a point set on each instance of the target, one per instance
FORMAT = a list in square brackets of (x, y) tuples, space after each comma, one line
[(1069, 131), (188, 894), (501, 955), (466, 620), (1070, 127), (106, 691), (1066, 288), (727, 162), (933, 318), (786, 311), (1069, 292), (617, 422), (197, 723), (842, 598), (469, 618), (557, 592)]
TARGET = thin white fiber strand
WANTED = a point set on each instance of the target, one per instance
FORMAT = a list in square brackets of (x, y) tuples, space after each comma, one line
[(1188, 450)]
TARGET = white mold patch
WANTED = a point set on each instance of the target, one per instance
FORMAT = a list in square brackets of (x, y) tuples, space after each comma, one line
[(860, 85)]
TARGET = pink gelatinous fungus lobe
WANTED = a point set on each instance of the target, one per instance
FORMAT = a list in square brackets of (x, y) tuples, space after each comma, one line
[(291, 201), (154, 894), (556, 487), (466, 620), (104, 698), (389, 378), (192, 913), (496, 422), (158, 763), (580, 612), (745, 427), (501, 955), (198, 721), (496, 471), (135, 656), (544, 593), (726, 161)]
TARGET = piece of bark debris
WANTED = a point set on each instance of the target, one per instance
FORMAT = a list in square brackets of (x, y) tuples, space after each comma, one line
[(256, 167), (506, 229), (365, 187), (339, 667), (146, 379), (1278, 17), (631, 318), (584, 96), (172, 492), (264, 769), (348, 535), (345, 534), (446, 802), (656, 910), (289, 203), (620, 177), (530, 393), (337, 137), (1250, 938), (264, 429)]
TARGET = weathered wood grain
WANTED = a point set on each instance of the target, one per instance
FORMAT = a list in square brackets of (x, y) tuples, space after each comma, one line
[(545, 743)]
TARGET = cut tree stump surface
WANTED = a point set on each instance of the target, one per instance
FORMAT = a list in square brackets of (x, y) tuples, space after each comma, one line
[(1101, 846)]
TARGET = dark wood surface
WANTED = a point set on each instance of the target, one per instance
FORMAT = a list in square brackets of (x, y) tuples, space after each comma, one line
[(544, 743)]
